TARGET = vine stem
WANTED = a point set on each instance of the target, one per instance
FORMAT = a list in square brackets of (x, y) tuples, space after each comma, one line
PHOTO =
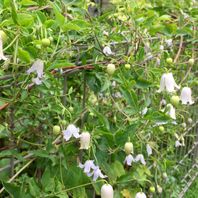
[(14, 176)]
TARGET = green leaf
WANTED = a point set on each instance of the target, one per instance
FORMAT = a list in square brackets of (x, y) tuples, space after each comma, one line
[(34, 189), (102, 118), (47, 181), (24, 55), (12, 189), (79, 193), (130, 97), (59, 18), (25, 20), (28, 3), (13, 12), (142, 83), (60, 64)]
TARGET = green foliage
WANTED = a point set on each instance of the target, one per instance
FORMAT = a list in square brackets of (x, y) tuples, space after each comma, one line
[(76, 89)]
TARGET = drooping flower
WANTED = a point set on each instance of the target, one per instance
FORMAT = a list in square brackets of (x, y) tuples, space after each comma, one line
[(177, 143), (85, 140), (71, 130), (2, 57), (169, 42), (107, 51), (185, 96), (144, 111), (159, 189), (129, 159), (149, 150), (171, 111), (87, 166), (161, 47), (140, 158), (106, 191), (37, 67), (96, 173), (140, 195), (168, 83)]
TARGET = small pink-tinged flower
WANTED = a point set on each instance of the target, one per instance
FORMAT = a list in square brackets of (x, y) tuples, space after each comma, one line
[(96, 173), (106, 191), (140, 158), (37, 67), (87, 166), (149, 150), (71, 130), (185, 96), (129, 159), (168, 83), (177, 143), (2, 57), (85, 140), (107, 51)]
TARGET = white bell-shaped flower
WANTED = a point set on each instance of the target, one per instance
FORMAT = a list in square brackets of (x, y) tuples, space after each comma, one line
[(107, 51), (71, 130), (87, 166), (168, 83), (140, 195), (85, 140), (2, 57), (140, 158), (185, 96), (149, 150), (171, 111), (106, 191), (129, 159)]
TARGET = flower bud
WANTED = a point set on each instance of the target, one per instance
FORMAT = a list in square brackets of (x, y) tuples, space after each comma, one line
[(84, 140), (190, 120), (56, 130), (106, 191), (111, 69), (191, 61), (159, 189), (140, 195), (128, 148)]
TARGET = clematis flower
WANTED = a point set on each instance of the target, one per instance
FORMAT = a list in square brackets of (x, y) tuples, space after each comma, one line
[(96, 173), (149, 150), (185, 96), (87, 166), (144, 111), (169, 42), (140, 195), (171, 111), (106, 191), (177, 143), (140, 158), (107, 51), (84, 140), (37, 67), (129, 159), (2, 57), (161, 47), (168, 83), (71, 130)]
